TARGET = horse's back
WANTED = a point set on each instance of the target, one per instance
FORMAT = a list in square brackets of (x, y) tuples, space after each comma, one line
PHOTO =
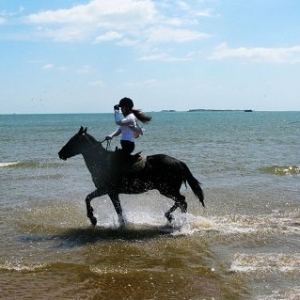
[(162, 163), (162, 158)]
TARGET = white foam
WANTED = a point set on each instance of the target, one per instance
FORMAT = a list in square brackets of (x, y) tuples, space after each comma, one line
[(108, 270), (188, 224), (264, 224), (266, 262), (288, 293), (9, 266), (8, 164)]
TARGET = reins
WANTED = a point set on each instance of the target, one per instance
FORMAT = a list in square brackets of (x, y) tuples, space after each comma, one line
[(96, 144), (107, 144)]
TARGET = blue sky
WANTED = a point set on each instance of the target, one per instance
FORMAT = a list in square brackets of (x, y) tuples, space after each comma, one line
[(83, 56)]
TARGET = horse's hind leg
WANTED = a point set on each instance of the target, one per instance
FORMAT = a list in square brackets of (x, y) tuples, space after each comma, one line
[(168, 214), (182, 204), (179, 202)]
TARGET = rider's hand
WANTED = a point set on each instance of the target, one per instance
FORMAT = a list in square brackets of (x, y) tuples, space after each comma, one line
[(108, 138), (116, 107)]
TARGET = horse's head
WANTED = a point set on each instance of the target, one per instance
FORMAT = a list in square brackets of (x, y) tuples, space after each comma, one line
[(77, 144)]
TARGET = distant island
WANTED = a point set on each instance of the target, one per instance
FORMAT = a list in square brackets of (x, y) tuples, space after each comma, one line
[(202, 109), (208, 110), (168, 110)]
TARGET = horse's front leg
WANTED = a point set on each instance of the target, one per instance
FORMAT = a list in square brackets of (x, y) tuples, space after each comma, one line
[(117, 204), (89, 208)]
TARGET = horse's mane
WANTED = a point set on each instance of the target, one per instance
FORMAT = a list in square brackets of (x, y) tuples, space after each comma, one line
[(91, 138), (98, 144)]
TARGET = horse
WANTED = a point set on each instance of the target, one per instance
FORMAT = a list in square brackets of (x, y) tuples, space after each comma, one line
[(161, 172)]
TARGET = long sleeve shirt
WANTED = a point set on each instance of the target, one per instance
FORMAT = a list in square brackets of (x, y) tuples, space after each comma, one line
[(128, 127)]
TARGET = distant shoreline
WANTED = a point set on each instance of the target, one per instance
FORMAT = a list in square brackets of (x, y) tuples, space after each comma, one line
[(201, 109), (209, 110)]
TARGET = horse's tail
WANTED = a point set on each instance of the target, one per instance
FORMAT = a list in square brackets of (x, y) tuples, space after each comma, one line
[(193, 183)]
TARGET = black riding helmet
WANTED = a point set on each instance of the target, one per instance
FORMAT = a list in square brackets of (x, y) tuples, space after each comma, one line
[(126, 102)]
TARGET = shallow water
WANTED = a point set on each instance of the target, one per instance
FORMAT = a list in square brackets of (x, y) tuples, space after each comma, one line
[(243, 245)]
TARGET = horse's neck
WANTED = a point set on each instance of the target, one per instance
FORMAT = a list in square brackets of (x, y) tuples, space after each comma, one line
[(96, 159)]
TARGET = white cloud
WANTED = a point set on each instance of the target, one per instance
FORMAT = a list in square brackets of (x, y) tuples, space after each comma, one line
[(97, 83), (204, 13), (128, 42), (48, 67), (86, 69), (103, 13), (142, 24), (7, 14), (168, 34), (259, 54), (183, 5), (141, 84), (166, 57), (120, 71), (101, 20), (109, 36), (64, 34)]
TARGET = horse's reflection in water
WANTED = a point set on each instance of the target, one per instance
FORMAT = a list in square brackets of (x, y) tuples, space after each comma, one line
[(161, 172)]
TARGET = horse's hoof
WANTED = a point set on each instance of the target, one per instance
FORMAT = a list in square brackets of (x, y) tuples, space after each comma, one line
[(93, 221), (169, 217), (122, 223)]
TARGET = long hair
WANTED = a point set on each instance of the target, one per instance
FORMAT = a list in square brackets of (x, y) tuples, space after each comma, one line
[(141, 116)]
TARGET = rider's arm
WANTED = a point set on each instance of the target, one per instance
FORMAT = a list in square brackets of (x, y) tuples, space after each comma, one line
[(115, 133), (129, 121)]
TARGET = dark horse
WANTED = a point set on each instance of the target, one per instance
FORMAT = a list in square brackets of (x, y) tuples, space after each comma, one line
[(161, 172)]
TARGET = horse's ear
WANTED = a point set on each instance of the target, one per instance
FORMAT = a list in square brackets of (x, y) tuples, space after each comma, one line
[(81, 130), (85, 130)]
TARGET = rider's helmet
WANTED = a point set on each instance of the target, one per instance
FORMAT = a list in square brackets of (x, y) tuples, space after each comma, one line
[(126, 102)]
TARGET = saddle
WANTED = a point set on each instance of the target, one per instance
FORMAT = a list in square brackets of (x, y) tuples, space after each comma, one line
[(130, 163), (134, 163)]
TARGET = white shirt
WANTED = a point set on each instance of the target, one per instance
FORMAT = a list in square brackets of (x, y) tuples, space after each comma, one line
[(128, 127)]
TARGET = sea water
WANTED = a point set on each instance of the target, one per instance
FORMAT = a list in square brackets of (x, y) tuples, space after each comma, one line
[(243, 245)]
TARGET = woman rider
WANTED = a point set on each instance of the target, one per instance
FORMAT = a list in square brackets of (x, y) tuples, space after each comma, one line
[(128, 126)]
